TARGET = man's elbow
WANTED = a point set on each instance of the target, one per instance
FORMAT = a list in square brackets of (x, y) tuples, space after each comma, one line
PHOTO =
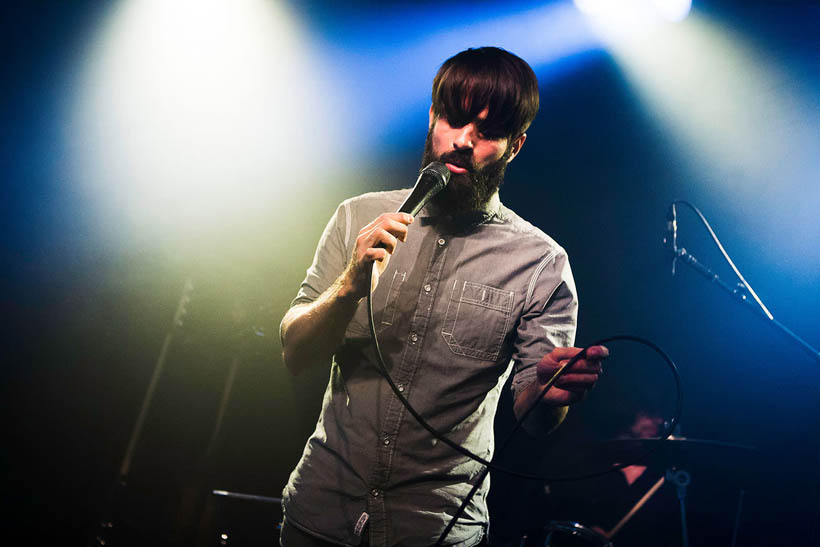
[(291, 362), (288, 358)]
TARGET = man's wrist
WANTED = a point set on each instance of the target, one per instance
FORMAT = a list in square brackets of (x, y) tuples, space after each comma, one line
[(347, 296), (546, 415), (345, 292), (545, 419)]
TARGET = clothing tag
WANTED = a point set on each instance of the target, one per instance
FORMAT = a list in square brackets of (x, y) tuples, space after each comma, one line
[(360, 524)]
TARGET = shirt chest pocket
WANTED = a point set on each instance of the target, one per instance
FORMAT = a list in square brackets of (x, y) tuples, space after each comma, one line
[(384, 306), (477, 319)]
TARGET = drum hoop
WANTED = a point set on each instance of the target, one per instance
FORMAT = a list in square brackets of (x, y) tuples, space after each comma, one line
[(578, 530)]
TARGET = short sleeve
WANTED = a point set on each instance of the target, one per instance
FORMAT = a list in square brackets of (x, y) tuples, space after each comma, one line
[(549, 320), (330, 258)]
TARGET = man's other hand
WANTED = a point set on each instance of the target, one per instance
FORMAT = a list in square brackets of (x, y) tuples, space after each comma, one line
[(574, 384)]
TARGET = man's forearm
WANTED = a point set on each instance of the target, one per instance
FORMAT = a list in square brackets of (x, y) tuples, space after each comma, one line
[(311, 333), (545, 418)]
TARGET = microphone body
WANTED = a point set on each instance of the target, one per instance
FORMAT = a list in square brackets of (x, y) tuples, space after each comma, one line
[(431, 181)]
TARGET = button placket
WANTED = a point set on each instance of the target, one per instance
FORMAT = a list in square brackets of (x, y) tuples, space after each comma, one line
[(403, 377), (418, 325)]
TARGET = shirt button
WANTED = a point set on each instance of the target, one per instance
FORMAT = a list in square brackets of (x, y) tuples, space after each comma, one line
[(414, 337), (374, 493), (400, 387), (441, 241), (386, 441), (427, 288)]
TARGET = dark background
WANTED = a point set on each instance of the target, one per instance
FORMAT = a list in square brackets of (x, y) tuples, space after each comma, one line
[(85, 321)]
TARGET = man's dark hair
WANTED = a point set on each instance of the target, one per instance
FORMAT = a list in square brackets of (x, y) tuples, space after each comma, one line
[(487, 77)]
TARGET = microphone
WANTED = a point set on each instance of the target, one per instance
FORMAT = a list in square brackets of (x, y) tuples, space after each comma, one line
[(670, 241), (431, 181)]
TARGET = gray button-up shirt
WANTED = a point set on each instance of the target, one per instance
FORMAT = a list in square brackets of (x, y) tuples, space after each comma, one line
[(459, 306)]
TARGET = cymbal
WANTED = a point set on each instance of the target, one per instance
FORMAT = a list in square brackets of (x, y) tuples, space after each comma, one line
[(673, 452)]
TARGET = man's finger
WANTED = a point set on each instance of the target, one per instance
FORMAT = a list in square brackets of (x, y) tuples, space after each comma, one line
[(375, 254), (396, 228), (597, 352), (576, 378), (383, 238), (560, 354), (584, 365), (593, 352), (563, 396)]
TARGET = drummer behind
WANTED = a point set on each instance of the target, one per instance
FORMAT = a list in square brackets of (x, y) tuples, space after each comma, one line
[(602, 502)]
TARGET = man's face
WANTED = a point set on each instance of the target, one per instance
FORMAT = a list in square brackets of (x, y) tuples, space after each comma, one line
[(476, 162)]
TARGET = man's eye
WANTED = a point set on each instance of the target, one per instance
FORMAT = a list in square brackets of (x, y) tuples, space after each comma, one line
[(490, 134), (455, 124)]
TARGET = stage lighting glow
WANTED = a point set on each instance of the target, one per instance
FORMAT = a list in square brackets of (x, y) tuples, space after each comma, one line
[(195, 113), (723, 98), (631, 16), (744, 123), (673, 10)]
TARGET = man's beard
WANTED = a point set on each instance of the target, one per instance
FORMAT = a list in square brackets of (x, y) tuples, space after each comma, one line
[(470, 191)]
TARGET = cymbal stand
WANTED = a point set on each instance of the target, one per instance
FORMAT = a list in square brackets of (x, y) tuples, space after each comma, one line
[(737, 516), (681, 479)]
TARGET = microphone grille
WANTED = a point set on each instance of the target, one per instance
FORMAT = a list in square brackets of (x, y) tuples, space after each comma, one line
[(439, 170)]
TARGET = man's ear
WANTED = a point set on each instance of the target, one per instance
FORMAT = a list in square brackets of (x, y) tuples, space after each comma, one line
[(432, 118), (516, 145)]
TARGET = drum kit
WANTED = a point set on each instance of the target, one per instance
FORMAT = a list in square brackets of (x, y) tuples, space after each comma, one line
[(676, 455)]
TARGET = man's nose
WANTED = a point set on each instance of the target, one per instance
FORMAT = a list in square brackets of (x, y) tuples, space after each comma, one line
[(464, 137)]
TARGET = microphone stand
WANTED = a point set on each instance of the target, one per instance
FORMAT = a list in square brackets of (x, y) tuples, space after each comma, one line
[(105, 530), (741, 294)]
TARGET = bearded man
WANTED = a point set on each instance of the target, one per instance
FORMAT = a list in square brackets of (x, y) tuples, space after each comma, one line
[(468, 294)]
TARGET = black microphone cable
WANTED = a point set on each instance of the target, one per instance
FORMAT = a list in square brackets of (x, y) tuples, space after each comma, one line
[(671, 424)]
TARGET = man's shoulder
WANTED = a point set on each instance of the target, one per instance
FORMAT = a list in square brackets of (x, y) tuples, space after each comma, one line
[(527, 232)]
